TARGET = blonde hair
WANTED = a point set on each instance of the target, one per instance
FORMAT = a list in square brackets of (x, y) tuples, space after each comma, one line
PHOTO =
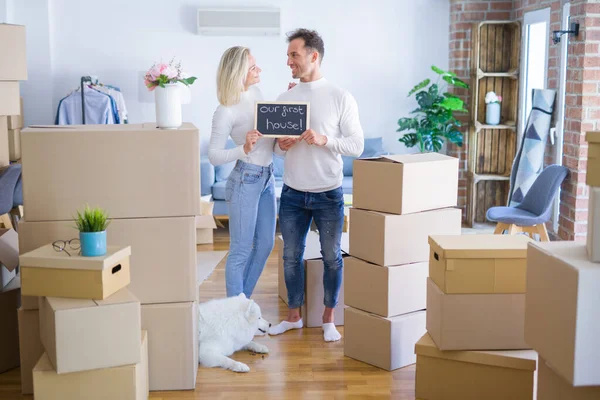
[(231, 75)]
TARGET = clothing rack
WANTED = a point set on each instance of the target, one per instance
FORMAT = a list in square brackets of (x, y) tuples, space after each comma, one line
[(83, 80)]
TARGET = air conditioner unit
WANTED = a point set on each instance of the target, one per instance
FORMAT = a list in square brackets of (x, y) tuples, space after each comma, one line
[(239, 21)]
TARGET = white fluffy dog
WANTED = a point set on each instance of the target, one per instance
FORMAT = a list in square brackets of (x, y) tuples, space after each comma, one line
[(226, 326)]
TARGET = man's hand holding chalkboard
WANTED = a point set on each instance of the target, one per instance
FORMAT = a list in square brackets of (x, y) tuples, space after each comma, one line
[(251, 139), (286, 143), (312, 137)]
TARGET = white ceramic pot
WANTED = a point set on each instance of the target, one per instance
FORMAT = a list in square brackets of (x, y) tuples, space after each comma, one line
[(492, 114), (168, 106)]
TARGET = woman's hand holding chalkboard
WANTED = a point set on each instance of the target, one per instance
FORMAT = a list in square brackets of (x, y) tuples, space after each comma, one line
[(251, 139), (286, 143), (312, 137)]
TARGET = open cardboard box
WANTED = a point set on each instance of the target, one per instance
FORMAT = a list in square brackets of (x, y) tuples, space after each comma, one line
[(593, 162)]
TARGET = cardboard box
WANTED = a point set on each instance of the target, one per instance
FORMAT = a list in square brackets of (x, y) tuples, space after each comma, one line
[(561, 310), (407, 183), (387, 239), (14, 144), (9, 248), (9, 326), (30, 303), (172, 346), (473, 375), (31, 348), (129, 382), (312, 310), (47, 272), (6, 276), (479, 263), (476, 321), (163, 253), (550, 386), (133, 172), (4, 154), (593, 236), (106, 331), (205, 226), (9, 103), (16, 121), (385, 291), (387, 343), (13, 50), (593, 162)]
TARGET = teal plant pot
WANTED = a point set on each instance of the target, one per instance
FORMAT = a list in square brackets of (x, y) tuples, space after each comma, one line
[(93, 244)]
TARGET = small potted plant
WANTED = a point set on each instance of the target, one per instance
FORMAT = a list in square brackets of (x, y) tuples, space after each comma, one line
[(92, 224), (163, 79), (492, 109)]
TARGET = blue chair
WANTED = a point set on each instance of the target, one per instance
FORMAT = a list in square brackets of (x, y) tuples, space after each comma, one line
[(532, 214)]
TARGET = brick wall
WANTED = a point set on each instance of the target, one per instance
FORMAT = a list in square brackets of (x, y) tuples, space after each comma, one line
[(582, 111)]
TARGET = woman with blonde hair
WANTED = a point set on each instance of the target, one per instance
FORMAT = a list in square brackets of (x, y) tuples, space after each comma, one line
[(250, 190)]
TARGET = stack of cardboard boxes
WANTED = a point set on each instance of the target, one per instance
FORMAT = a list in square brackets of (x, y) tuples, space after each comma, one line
[(13, 68), (88, 325), (475, 347), (398, 202), (312, 310), (10, 299), (147, 180), (563, 294)]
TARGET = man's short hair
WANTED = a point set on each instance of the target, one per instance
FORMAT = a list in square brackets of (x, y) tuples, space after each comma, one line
[(312, 40)]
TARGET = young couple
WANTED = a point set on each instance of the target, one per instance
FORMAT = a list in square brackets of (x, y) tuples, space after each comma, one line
[(312, 174)]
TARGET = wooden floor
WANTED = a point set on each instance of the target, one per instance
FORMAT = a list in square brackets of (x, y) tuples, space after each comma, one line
[(300, 364)]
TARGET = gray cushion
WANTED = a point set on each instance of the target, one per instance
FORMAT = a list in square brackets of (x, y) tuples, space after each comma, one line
[(278, 166), (347, 185), (373, 148), (218, 190), (513, 215)]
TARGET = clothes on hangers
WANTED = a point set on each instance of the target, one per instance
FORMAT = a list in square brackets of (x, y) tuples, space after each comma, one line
[(100, 108), (118, 98)]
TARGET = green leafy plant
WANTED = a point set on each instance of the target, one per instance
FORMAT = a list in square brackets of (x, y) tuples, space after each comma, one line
[(434, 120), (92, 220)]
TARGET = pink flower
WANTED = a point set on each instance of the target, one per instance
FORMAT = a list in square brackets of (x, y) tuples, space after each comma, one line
[(170, 72), (499, 98), (156, 71)]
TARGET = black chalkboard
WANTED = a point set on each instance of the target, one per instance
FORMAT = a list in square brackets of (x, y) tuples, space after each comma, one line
[(281, 118)]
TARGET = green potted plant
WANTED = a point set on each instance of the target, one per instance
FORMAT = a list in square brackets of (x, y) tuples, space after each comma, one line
[(434, 119), (92, 224)]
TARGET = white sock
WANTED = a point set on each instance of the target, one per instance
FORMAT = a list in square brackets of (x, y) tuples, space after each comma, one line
[(330, 333), (285, 326)]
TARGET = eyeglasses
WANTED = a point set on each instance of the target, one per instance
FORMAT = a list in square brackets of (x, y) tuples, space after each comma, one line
[(61, 245)]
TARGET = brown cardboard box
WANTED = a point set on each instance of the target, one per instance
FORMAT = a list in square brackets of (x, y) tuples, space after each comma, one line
[(404, 184), (14, 144), (6, 276), (385, 291), (4, 154), (593, 236), (9, 248), (133, 172), (387, 239), (312, 310), (163, 253), (205, 226), (387, 343), (129, 382), (47, 272), (106, 331), (561, 310), (9, 332), (13, 51), (476, 321), (30, 346), (16, 121), (550, 386), (30, 303), (479, 263), (173, 345), (9, 103), (473, 375), (593, 163)]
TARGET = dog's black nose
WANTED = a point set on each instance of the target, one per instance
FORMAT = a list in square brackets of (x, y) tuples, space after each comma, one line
[(269, 325)]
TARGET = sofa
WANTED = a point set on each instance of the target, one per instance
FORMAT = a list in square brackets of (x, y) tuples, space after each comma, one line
[(213, 179)]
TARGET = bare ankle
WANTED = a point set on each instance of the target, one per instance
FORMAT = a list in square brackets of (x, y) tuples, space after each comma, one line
[(293, 315), (328, 315)]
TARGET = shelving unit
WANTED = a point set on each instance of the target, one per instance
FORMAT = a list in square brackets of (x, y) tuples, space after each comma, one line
[(492, 148)]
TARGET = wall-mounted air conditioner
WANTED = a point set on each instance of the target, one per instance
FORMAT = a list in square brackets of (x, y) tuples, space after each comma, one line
[(239, 21)]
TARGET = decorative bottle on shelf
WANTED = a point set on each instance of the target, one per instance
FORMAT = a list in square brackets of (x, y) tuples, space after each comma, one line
[(492, 114)]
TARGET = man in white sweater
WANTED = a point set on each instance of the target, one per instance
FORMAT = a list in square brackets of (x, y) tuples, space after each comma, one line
[(313, 178)]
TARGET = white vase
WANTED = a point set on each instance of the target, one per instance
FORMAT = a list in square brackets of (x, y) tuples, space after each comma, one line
[(492, 114), (168, 106)]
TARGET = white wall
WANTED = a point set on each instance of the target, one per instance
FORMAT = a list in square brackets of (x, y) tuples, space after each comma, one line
[(376, 49)]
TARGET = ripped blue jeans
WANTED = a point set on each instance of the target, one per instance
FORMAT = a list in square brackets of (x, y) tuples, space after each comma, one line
[(297, 209)]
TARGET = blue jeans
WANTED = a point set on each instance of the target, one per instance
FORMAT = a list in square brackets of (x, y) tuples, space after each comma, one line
[(250, 194), (296, 211)]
